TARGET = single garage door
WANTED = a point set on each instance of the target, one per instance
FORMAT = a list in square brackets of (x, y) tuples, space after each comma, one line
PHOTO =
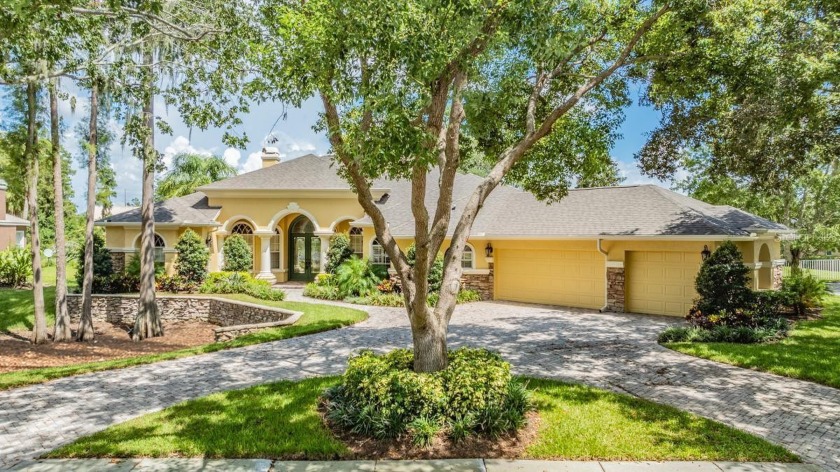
[(660, 283), (567, 278)]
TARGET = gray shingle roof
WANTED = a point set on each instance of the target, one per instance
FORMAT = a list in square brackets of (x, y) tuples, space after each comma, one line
[(189, 209), (304, 173), (635, 210)]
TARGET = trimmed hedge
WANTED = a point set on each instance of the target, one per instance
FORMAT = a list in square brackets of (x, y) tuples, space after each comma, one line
[(240, 282), (382, 397)]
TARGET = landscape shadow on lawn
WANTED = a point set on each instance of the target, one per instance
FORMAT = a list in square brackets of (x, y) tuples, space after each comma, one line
[(280, 421)]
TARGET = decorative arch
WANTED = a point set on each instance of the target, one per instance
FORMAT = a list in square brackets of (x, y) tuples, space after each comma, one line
[(228, 224), (342, 219), (158, 239), (765, 271), (290, 211)]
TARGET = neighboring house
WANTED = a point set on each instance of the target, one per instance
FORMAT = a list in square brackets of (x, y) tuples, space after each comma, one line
[(632, 248), (12, 228)]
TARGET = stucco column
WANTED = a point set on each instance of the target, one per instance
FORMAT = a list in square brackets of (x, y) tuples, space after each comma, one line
[(325, 247), (220, 253), (265, 259)]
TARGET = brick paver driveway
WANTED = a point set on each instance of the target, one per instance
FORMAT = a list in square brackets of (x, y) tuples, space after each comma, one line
[(613, 351)]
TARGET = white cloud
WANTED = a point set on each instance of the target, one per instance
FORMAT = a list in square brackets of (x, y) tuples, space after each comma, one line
[(253, 162), (232, 156)]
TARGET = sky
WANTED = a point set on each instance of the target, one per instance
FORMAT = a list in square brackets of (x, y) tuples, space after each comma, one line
[(295, 138)]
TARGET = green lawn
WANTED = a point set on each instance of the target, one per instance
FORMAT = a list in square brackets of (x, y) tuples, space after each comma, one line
[(16, 312), (280, 421), (811, 352)]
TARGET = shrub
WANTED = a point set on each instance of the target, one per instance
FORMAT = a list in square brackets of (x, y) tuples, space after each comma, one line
[(464, 296), (381, 396), (15, 267), (237, 255), (324, 292), (338, 252), (174, 283), (435, 272), (722, 281), (240, 282), (123, 282), (727, 334), (379, 299), (802, 292), (103, 269), (133, 267), (355, 277), (193, 257)]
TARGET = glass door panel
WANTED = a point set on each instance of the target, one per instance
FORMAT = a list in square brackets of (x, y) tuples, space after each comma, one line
[(315, 256), (299, 255)]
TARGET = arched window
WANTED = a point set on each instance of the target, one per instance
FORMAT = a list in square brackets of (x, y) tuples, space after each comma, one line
[(160, 244), (468, 257), (276, 248), (356, 241), (378, 256), (246, 231), (302, 225)]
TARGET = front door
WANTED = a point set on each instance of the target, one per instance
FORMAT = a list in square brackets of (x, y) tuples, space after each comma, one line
[(304, 251)]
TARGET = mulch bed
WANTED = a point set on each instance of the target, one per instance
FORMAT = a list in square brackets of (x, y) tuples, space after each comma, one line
[(508, 446), (111, 342)]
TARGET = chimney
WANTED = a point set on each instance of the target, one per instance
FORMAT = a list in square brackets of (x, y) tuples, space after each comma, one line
[(270, 156), (3, 188)]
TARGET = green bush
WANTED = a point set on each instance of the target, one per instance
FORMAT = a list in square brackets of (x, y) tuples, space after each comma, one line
[(15, 267), (722, 281), (240, 282), (727, 334), (464, 296), (132, 269), (174, 283), (435, 272), (355, 277), (237, 255), (338, 252), (379, 299), (193, 257), (802, 292), (324, 292), (103, 269), (381, 396)]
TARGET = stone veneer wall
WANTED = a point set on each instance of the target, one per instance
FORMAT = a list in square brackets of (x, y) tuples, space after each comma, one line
[(118, 261), (482, 283), (777, 274), (122, 309), (615, 289)]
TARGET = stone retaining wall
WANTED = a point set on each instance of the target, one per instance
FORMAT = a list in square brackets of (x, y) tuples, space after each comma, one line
[(122, 309)]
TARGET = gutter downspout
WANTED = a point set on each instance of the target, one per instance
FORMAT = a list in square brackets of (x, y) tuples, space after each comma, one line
[(606, 278)]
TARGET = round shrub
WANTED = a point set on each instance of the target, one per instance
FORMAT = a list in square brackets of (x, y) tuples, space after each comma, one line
[(237, 255), (722, 281), (355, 277), (193, 257), (338, 252), (381, 396)]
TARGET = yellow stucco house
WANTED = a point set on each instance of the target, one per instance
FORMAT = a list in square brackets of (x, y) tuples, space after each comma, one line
[(629, 248)]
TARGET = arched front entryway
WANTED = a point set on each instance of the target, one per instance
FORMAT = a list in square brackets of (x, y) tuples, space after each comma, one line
[(765, 270), (304, 250)]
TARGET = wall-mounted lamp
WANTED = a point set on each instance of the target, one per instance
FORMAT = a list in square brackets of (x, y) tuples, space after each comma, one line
[(488, 251), (705, 253), (208, 241)]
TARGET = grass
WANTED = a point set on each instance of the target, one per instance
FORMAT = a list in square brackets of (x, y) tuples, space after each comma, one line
[(827, 275), (810, 352), (280, 421), (316, 318)]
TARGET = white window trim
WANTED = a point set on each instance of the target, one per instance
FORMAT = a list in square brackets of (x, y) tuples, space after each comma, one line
[(472, 262), (370, 257)]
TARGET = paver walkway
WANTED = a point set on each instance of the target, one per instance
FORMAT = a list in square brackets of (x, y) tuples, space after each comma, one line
[(439, 465), (613, 351)]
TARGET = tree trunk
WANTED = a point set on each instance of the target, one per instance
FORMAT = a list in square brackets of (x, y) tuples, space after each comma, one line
[(62, 330), (428, 334), (39, 332), (85, 332), (148, 322)]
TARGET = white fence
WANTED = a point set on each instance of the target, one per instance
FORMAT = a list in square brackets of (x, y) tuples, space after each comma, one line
[(823, 269)]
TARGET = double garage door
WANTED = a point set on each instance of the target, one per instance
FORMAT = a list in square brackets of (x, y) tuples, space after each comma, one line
[(659, 283), (566, 278)]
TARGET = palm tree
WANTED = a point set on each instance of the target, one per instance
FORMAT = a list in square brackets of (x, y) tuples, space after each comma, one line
[(190, 171)]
